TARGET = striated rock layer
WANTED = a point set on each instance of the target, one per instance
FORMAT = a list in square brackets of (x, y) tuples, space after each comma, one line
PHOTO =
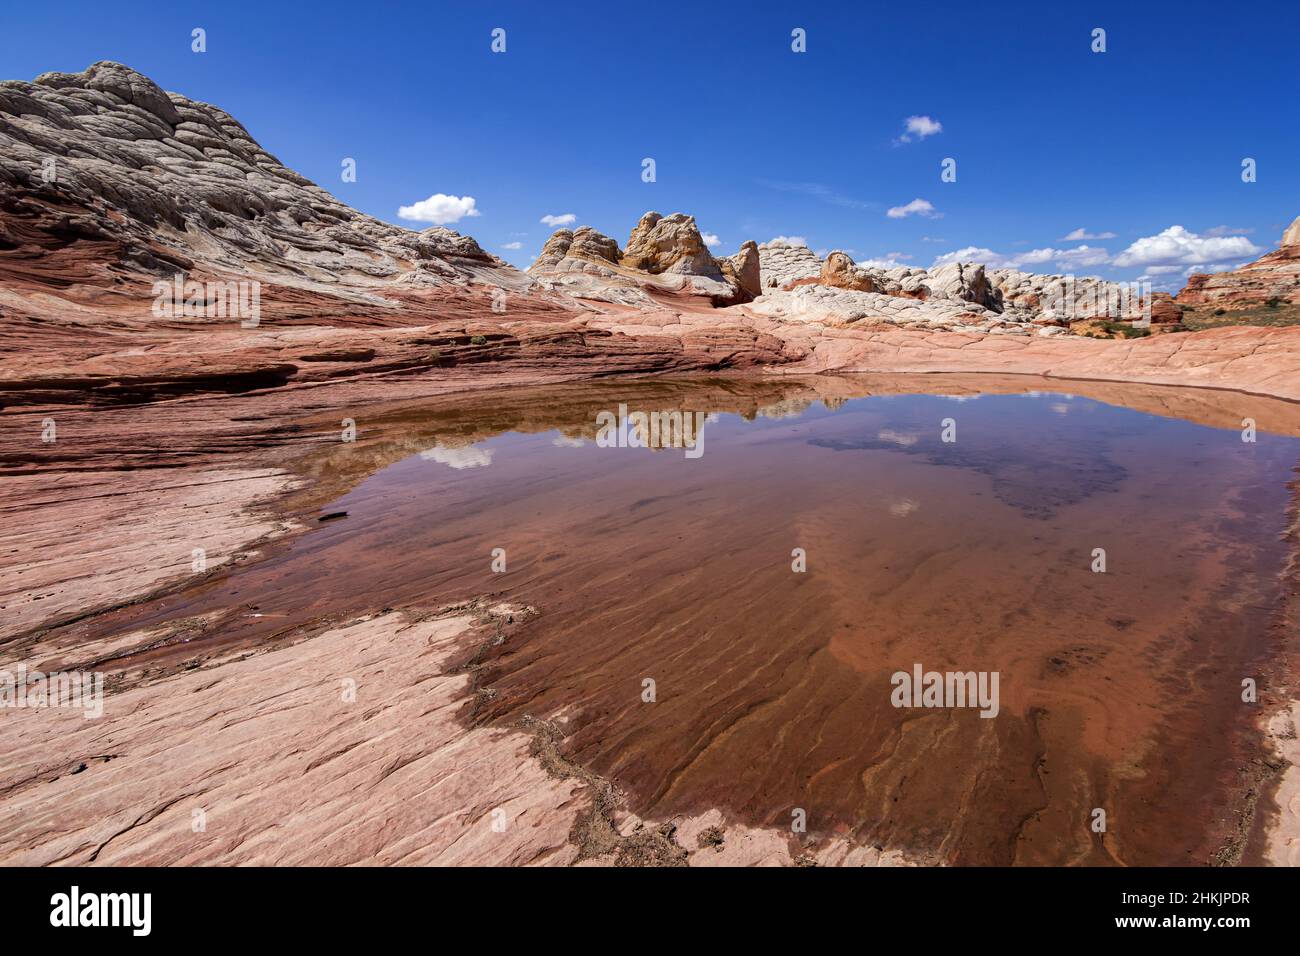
[(1271, 279), (104, 166), (272, 758)]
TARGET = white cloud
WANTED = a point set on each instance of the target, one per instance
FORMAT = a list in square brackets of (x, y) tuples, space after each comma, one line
[(1172, 251), (918, 207), (787, 241), (988, 257), (1081, 234), (903, 507), (1080, 257), (933, 239), (906, 439), (889, 263), (1177, 246), (470, 456), (1034, 257), (439, 209), (555, 222), (919, 127), (512, 245), (711, 240)]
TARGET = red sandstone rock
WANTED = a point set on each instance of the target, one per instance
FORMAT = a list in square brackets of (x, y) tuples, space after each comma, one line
[(1164, 310), (1273, 278)]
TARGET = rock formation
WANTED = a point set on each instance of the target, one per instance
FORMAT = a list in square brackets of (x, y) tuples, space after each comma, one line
[(155, 183), (1292, 235), (962, 280), (784, 262), (569, 251), (1164, 310), (665, 254), (956, 296), (590, 245), (554, 250), (669, 244), (744, 270), (841, 272), (1273, 279)]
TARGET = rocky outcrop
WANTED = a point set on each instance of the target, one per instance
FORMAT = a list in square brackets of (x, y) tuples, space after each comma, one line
[(583, 245), (810, 301), (744, 270), (1020, 297), (1065, 298), (1164, 310), (957, 296), (1292, 235), (785, 262), (963, 280), (669, 244), (665, 255), (554, 250), (594, 247), (1273, 279), (330, 787), (840, 272), (153, 183)]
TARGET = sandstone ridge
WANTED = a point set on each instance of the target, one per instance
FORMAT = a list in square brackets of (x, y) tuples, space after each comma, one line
[(104, 164), (1273, 279)]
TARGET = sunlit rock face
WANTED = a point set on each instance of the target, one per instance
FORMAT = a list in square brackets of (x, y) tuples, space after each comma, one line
[(165, 183)]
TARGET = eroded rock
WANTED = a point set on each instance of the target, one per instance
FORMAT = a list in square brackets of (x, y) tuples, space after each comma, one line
[(669, 244), (785, 262), (166, 183), (744, 270)]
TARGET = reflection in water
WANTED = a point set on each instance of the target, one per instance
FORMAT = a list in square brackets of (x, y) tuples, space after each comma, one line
[(470, 456), (653, 428), (1117, 690)]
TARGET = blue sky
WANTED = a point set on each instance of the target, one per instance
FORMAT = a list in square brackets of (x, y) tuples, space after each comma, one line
[(753, 139)]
